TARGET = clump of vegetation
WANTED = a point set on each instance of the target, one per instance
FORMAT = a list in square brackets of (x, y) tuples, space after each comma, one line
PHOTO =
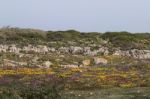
[(17, 35), (127, 41), (29, 87)]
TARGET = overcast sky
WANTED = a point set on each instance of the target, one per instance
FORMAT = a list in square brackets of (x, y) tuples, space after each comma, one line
[(82, 15)]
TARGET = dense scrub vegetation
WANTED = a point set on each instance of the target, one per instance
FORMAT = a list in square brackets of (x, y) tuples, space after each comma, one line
[(124, 40), (17, 35), (127, 40)]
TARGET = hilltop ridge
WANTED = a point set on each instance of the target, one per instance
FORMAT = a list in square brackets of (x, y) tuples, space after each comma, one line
[(123, 40)]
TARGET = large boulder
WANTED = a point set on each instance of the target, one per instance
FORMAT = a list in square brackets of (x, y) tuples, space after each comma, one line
[(98, 61), (47, 64), (63, 50), (75, 50), (86, 62), (35, 59), (10, 63)]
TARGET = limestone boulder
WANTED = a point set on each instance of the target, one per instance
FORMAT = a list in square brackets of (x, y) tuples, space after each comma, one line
[(98, 61), (86, 62), (69, 66), (47, 64)]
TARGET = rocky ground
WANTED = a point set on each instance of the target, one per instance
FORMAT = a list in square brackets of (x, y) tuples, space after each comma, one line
[(43, 56), (36, 64)]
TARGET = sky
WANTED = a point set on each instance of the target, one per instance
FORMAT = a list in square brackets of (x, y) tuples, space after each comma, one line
[(81, 15)]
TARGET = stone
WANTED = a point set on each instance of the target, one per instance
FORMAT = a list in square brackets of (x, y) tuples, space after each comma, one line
[(22, 63), (69, 66), (98, 61), (47, 64), (117, 53), (63, 50), (10, 63), (86, 62), (51, 49), (34, 60), (75, 50), (14, 49)]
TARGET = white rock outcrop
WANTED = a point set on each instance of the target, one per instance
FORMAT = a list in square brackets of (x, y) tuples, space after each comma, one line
[(135, 53), (47, 64)]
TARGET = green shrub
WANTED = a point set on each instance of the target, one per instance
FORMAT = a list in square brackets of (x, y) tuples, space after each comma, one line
[(127, 40)]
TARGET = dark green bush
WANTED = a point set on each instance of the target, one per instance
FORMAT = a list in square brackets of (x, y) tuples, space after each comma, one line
[(127, 40)]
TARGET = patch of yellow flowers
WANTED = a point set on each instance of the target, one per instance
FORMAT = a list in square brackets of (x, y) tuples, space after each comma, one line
[(28, 71)]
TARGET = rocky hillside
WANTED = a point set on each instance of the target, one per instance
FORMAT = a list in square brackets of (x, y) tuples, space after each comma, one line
[(31, 47)]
